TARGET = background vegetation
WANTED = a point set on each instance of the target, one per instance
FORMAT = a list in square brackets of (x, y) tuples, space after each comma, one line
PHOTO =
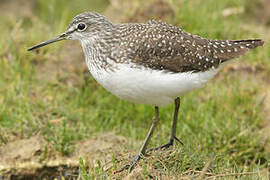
[(50, 94)]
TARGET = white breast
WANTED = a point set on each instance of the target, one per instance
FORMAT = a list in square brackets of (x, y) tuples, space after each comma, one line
[(153, 87)]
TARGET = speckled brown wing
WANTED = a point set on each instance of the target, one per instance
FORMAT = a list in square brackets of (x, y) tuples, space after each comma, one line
[(165, 47)]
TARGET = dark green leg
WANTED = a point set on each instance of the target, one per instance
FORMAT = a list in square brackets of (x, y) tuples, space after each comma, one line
[(173, 133), (142, 151)]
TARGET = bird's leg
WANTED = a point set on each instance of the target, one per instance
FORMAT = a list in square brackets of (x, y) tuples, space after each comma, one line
[(142, 151), (174, 123)]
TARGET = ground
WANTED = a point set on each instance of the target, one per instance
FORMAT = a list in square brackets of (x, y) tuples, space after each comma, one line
[(56, 121)]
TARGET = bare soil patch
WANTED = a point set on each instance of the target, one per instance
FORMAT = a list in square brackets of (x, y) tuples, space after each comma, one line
[(139, 11), (19, 8), (35, 158), (65, 67)]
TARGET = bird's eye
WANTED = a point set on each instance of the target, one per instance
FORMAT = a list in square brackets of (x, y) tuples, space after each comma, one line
[(81, 26)]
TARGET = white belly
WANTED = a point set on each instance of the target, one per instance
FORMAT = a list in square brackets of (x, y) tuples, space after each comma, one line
[(147, 86)]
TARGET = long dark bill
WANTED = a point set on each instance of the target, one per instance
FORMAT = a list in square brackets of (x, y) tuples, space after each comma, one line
[(59, 38)]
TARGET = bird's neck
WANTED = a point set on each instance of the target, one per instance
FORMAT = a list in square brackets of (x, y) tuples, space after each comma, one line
[(96, 53), (91, 52)]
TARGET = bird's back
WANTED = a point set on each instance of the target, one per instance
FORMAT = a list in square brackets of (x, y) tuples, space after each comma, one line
[(161, 46)]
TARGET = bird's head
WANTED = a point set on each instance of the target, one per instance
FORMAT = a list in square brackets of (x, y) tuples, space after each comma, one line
[(82, 27)]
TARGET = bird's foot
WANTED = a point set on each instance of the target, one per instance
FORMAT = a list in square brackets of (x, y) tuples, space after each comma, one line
[(130, 166), (165, 146)]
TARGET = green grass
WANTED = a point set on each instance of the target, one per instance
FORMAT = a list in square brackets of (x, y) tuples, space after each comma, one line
[(220, 123)]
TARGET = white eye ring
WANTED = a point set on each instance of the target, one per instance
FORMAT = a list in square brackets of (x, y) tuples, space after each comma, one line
[(81, 26)]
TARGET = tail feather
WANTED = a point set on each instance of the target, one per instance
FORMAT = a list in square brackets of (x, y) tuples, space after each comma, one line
[(230, 49), (250, 43)]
